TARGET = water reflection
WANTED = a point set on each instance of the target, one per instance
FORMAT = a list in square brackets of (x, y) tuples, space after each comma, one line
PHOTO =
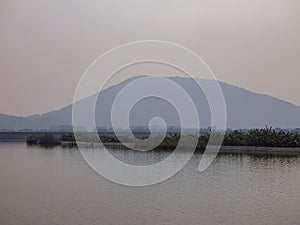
[(56, 186)]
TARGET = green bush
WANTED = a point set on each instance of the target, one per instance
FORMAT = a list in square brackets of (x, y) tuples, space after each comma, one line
[(48, 140), (68, 137), (32, 140), (45, 140)]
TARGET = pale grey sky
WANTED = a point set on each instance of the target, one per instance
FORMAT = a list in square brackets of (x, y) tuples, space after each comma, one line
[(47, 45)]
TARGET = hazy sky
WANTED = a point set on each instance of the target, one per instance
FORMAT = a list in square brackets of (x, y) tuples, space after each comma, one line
[(45, 46)]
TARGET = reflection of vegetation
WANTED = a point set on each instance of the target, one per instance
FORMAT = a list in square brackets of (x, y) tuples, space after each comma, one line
[(257, 137), (45, 140)]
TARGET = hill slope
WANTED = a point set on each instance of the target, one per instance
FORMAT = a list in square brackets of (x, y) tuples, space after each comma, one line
[(245, 109)]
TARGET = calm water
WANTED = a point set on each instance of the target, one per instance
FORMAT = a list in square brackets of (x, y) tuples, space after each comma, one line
[(46, 187)]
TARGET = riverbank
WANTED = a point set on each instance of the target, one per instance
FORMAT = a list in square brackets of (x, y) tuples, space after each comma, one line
[(257, 150), (256, 141)]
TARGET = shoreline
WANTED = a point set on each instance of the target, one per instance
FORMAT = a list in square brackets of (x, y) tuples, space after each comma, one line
[(256, 150), (224, 149), (260, 150)]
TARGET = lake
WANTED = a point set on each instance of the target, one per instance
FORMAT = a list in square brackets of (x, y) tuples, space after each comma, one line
[(56, 186)]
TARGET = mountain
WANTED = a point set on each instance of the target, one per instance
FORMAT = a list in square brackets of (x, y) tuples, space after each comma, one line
[(245, 109)]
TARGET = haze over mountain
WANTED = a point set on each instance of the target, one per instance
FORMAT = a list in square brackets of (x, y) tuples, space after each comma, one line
[(245, 109)]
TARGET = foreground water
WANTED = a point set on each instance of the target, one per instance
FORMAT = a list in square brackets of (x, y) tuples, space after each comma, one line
[(46, 187)]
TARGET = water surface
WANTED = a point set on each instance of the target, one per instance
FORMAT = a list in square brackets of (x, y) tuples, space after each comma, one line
[(45, 187)]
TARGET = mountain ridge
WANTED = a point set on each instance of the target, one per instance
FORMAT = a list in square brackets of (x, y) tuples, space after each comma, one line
[(245, 109)]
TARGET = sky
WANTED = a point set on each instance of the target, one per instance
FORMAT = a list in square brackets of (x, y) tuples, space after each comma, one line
[(47, 45)]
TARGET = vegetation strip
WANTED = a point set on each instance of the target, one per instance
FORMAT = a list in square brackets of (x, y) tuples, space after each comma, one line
[(266, 137)]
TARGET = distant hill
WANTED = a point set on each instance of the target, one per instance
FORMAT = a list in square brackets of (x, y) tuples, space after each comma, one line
[(245, 109)]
